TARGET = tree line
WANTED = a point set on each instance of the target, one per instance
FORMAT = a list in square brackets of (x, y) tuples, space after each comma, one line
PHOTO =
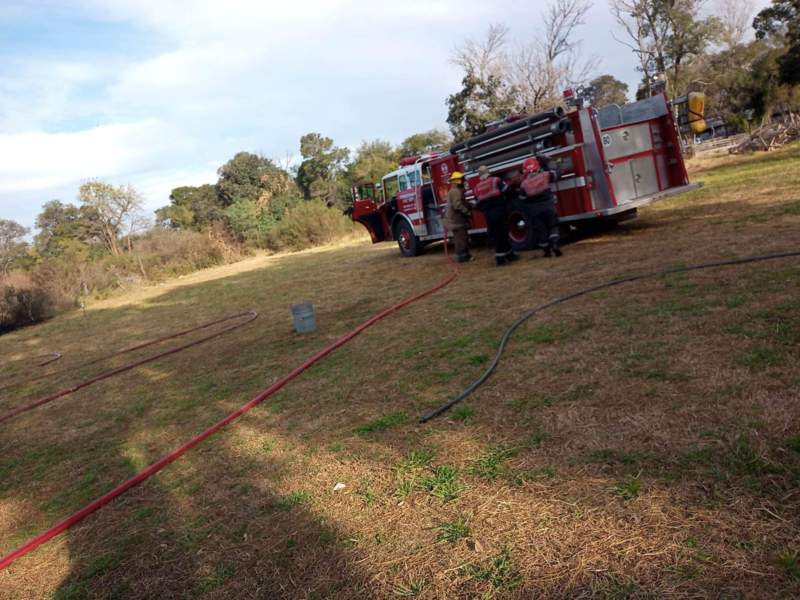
[(684, 45)]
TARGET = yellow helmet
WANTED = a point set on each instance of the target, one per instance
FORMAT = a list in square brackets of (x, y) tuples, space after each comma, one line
[(456, 176)]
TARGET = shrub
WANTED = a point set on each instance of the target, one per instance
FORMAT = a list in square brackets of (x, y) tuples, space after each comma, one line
[(23, 303), (309, 224), (251, 221), (169, 252)]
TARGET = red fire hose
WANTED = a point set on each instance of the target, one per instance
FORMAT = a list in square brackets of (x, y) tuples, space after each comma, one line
[(55, 355), (39, 361), (154, 468), (251, 315)]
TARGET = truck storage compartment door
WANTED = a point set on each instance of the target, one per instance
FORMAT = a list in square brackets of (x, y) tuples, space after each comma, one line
[(622, 180), (644, 176), (626, 141)]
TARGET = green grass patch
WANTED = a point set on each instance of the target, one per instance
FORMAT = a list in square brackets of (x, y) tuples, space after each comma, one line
[(443, 483), (462, 412), (627, 489), (489, 465), (418, 458), (367, 495), (520, 478), (610, 456), (412, 589), (793, 443), (453, 531), (499, 572), (382, 423), (478, 359), (790, 561), (295, 498), (218, 577), (616, 587), (404, 488), (552, 333), (760, 358), (541, 400), (735, 459)]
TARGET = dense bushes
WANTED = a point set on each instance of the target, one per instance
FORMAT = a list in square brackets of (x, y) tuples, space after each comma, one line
[(166, 253), (308, 224), (61, 281), (22, 302)]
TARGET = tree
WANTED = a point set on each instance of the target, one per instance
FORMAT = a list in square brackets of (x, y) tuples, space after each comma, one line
[(477, 104), (251, 222), (320, 175), (427, 141), (191, 208), (780, 23), (665, 35), (372, 161), (13, 246), (604, 90), (250, 177), (735, 17), (486, 93), (116, 210), (729, 81), (530, 78), (552, 61), (60, 224)]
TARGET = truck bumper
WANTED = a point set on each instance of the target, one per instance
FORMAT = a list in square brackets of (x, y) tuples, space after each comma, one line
[(633, 204)]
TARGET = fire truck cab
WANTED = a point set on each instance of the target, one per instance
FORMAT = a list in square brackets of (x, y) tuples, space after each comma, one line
[(610, 162), (407, 206)]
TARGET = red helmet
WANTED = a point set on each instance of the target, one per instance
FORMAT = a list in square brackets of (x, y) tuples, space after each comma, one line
[(531, 165)]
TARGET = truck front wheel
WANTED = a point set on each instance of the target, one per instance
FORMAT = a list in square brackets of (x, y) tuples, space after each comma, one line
[(406, 239)]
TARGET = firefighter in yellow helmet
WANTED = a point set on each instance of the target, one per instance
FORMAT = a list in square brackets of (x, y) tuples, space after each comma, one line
[(457, 217)]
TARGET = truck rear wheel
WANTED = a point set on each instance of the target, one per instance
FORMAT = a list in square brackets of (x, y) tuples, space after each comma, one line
[(520, 233), (406, 239)]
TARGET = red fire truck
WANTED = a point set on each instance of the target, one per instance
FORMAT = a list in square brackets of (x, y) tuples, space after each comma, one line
[(612, 161)]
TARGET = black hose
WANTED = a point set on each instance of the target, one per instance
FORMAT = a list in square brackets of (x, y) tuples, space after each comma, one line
[(504, 341)]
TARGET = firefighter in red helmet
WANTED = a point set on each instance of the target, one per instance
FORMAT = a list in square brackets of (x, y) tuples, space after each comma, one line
[(535, 191), (457, 217), (491, 194)]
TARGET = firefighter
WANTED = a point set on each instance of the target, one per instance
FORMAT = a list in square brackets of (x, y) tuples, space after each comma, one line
[(491, 194), (535, 191), (457, 217)]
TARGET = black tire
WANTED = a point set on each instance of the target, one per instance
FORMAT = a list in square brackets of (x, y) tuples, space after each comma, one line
[(520, 233), (407, 240)]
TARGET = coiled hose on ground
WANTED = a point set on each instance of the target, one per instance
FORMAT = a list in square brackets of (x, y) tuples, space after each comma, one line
[(614, 282)]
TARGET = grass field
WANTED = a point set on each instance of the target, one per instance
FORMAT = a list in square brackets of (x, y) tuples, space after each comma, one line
[(641, 442)]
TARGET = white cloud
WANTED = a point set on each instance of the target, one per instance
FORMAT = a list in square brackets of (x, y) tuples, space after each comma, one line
[(36, 159)]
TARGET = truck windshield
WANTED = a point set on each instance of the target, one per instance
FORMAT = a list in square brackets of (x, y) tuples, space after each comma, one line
[(404, 182), (390, 187)]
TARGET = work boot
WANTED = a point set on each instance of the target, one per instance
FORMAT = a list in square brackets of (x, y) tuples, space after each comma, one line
[(500, 261), (556, 250), (512, 256), (465, 258), (548, 253)]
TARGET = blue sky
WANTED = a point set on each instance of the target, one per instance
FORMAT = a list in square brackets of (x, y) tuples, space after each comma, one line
[(159, 94)]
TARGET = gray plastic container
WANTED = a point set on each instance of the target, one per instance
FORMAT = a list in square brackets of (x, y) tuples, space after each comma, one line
[(305, 320)]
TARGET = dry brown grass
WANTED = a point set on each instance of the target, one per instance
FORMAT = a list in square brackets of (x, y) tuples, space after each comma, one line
[(649, 428)]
